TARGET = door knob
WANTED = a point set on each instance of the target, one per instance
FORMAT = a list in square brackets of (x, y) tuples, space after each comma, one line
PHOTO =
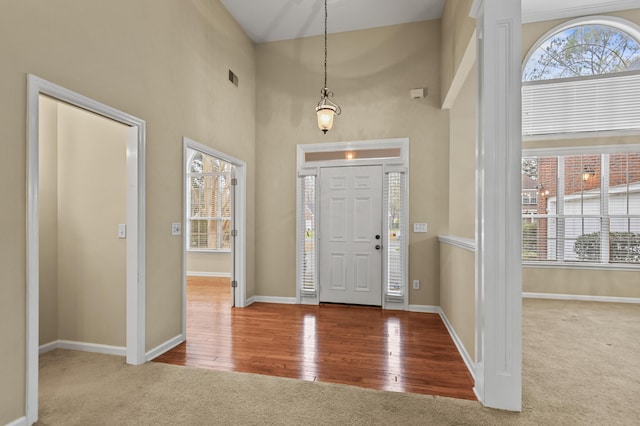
[(377, 237), (378, 246)]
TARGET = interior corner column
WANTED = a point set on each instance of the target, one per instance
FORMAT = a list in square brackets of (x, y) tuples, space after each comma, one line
[(498, 157)]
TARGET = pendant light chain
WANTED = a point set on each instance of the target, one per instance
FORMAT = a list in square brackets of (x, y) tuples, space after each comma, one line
[(325, 43)]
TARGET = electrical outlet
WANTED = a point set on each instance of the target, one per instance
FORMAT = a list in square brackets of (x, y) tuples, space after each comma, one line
[(416, 284), (176, 228), (419, 227)]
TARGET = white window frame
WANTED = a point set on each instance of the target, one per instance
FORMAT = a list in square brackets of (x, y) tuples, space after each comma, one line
[(312, 168), (220, 218), (604, 150)]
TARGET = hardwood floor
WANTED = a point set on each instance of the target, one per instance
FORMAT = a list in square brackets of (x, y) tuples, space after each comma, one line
[(360, 346)]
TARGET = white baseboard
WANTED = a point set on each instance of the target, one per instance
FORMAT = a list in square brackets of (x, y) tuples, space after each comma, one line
[(22, 421), (209, 274), (456, 340), (250, 301), (164, 347), (272, 299), (84, 347), (48, 347), (427, 309), (582, 298), (92, 347)]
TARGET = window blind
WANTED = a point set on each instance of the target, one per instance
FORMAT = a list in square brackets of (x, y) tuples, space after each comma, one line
[(394, 200), (609, 102), (308, 224)]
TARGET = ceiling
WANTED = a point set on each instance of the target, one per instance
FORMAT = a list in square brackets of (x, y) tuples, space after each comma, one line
[(271, 20)]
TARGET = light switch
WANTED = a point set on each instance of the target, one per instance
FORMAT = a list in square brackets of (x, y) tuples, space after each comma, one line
[(419, 227), (122, 230), (176, 228)]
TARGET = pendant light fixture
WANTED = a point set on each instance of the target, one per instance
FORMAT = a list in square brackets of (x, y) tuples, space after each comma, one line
[(326, 109)]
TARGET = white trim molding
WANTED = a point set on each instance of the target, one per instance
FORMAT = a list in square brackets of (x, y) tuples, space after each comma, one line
[(93, 347), (461, 349), (498, 289), (460, 242), (22, 421), (165, 347), (84, 347), (48, 347), (274, 299), (426, 309), (135, 242), (583, 10), (209, 274), (429, 309), (581, 298)]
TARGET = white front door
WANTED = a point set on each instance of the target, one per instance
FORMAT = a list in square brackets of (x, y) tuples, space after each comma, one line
[(351, 235)]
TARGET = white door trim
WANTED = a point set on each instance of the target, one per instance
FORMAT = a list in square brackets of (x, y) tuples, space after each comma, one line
[(135, 245), (240, 293)]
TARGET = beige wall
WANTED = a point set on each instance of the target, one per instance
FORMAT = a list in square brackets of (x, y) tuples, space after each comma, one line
[(577, 281), (91, 203), (48, 220), (457, 30), (583, 282), (165, 62), (462, 161), (592, 141), (457, 265), (371, 73), (198, 261), (457, 293)]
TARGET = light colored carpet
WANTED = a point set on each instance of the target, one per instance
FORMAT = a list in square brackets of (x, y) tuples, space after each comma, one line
[(581, 366)]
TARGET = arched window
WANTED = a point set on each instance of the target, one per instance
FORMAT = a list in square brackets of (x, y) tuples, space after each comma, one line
[(583, 50), (583, 79)]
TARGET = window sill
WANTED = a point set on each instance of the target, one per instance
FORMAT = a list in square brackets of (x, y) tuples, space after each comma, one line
[(192, 250), (591, 266)]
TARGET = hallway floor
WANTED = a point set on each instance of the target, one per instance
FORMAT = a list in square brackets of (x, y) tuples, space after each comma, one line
[(360, 346)]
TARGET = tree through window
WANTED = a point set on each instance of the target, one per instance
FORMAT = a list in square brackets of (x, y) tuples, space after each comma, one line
[(583, 50)]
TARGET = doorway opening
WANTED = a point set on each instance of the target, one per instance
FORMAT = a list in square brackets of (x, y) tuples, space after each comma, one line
[(130, 210), (214, 238)]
